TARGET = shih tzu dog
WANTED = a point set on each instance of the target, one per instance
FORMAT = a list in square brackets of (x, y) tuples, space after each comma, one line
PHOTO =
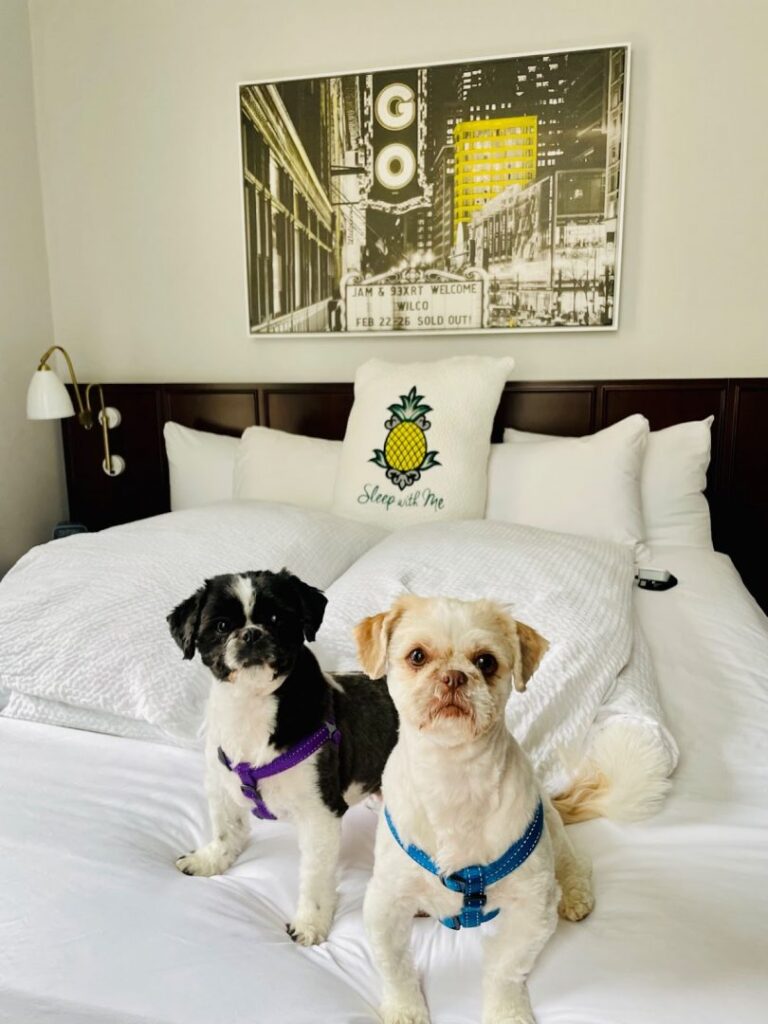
[(284, 740), (467, 833)]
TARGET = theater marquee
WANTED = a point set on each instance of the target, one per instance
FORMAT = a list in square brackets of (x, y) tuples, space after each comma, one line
[(480, 196)]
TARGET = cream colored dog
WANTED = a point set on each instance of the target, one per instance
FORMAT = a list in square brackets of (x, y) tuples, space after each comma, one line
[(459, 788)]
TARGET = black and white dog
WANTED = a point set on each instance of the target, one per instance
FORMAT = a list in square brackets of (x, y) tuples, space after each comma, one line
[(284, 740)]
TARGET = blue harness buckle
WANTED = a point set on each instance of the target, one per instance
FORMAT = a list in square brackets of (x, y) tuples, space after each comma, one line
[(473, 881), (475, 902), (462, 881)]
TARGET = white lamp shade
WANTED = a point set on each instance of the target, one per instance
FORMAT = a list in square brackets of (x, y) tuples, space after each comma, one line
[(47, 398)]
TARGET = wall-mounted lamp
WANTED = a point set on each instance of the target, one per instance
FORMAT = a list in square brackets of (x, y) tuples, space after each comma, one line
[(48, 399)]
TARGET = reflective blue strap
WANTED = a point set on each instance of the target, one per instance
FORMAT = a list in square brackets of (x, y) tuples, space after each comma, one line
[(519, 851), (414, 852), (473, 881)]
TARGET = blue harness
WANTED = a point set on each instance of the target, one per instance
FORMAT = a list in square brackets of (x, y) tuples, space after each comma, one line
[(472, 882)]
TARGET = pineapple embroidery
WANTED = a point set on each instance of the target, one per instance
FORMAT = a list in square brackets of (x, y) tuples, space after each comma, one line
[(405, 456)]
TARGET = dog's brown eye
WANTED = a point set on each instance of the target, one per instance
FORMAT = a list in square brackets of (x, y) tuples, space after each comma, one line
[(273, 618), (222, 625), (486, 663), (417, 656)]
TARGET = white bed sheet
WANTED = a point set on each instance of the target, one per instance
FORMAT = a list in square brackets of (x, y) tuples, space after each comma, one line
[(96, 925)]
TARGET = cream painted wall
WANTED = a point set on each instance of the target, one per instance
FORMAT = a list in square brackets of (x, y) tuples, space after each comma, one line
[(139, 141), (31, 474)]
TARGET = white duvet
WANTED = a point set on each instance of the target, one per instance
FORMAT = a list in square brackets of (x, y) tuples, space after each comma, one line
[(98, 927)]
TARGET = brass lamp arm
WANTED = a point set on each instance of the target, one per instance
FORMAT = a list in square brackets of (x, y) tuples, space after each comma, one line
[(104, 423), (84, 414)]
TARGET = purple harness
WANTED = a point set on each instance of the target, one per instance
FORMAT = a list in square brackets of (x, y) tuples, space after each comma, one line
[(250, 776)]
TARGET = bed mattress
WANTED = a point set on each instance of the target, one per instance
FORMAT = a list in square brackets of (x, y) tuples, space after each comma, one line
[(96, 924)]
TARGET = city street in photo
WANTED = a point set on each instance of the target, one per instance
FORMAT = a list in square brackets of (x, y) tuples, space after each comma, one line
[(481, 196)]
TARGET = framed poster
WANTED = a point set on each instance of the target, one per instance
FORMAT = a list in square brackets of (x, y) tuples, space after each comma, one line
[(480, 196)]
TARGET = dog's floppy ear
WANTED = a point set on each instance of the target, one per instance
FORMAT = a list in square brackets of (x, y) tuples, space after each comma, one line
[(312, 601), (533, 647), (184, 621), (372, 637)]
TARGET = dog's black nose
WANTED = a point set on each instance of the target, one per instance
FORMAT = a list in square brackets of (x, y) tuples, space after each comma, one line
[(454, 678), (249, 635)]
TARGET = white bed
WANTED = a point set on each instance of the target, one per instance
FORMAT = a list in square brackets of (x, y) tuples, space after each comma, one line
[(96, 925)]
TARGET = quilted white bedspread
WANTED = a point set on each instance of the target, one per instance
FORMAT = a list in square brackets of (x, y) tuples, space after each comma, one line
[(83, 636), (575, 591)]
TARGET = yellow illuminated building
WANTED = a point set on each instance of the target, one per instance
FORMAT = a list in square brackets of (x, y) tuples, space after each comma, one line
[(490, 156)]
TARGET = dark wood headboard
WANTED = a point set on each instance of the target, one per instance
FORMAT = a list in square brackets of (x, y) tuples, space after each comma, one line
[(737, 482)]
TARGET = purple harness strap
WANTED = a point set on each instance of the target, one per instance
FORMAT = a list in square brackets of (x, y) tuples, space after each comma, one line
[(250, 776)]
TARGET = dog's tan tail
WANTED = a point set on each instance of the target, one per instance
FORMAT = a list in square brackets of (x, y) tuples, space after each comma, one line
[(585, 798), (624, 777)]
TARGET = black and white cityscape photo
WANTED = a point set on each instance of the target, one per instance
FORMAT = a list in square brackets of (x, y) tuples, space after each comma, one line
[(464, 197)]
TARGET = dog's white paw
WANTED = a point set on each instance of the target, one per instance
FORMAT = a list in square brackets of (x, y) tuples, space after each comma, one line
[(404, 1013), (206, 861), (576, 900), (308, 931)]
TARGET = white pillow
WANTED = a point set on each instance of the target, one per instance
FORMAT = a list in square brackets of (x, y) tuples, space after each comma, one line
[(589, 486), (417, 440), (274, 466), (672, 483), (201, 465)]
